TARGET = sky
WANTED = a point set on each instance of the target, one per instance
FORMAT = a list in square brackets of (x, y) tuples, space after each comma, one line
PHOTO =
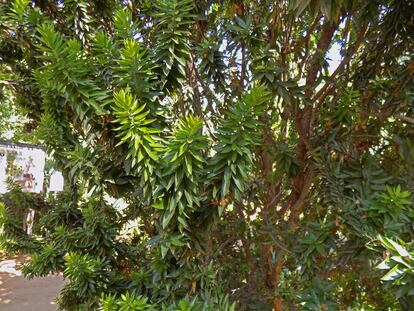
[(334, 57)]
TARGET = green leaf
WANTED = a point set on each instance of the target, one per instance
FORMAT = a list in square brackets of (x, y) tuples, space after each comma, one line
[(401, 250), (226, 182), (393, 274), (168, 215), (164, 251), (188, 165)]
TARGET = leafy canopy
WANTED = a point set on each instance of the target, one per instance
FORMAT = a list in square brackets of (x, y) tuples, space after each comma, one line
[(254, 173)]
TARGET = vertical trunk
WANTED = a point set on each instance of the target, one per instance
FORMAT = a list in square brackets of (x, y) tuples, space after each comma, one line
[(192, 80), (270, 199), (302, 182), (247, 251)]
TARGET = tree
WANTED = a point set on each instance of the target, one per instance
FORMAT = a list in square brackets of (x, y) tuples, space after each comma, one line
[(248, 165), (14, 124)]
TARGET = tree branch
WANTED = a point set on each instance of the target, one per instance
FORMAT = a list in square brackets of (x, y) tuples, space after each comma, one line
[(322, 93), (404, 118)]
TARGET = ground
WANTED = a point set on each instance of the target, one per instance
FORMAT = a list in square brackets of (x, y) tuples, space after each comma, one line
[(20, 294)]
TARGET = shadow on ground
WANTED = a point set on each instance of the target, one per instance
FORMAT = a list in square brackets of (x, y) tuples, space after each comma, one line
[(20, 294)]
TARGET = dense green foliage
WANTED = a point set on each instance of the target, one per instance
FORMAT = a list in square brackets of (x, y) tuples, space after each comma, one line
[(251, 175)]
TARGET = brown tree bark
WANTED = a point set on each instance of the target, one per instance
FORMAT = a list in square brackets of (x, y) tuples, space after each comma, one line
[(301, 183)]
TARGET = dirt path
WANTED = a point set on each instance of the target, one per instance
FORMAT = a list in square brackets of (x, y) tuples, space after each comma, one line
[(20, 294)]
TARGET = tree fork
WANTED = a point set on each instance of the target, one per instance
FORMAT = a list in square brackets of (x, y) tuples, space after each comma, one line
[(302, 182)]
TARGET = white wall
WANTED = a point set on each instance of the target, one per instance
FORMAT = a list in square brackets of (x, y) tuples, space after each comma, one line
[(31, 162)]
